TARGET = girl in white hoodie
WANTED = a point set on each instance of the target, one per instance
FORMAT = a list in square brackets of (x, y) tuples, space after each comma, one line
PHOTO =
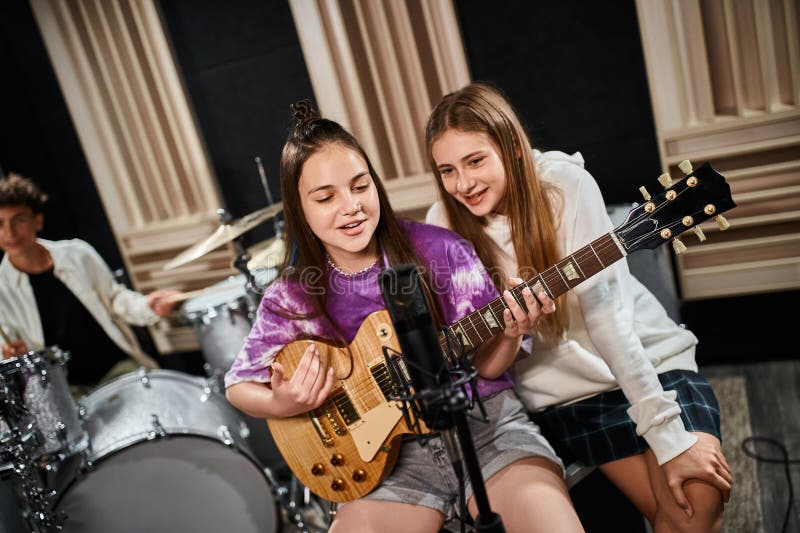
[(610, 378)]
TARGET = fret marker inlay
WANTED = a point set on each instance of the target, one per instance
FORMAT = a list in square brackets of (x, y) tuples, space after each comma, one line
[(488, 317), (464, 339), (570, 272)]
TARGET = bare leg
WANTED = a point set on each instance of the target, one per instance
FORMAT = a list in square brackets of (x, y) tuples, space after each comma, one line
[(705, 499), (385, 517), (642, 480), (530, 496), (631, 475)]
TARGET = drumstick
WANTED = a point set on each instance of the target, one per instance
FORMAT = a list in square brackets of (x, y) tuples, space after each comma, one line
[(3, 334), (199, 292)]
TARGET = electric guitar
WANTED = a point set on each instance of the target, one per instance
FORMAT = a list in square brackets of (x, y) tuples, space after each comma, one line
[(343, 449)]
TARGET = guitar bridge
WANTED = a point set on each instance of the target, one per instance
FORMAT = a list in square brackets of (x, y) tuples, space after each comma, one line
[(324, 436)]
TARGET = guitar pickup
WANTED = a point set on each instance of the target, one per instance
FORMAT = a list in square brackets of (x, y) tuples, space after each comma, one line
[(345, 408)]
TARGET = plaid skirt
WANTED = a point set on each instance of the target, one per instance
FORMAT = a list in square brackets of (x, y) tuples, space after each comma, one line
[(598, 430)]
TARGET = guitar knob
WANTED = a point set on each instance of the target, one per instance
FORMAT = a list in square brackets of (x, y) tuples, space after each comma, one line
[(722, 223), (665, 180), (644, 192), (359, 475), (337, 459), (699, 232), (678, 246), (318, 469), (337, 484), (685, 166)]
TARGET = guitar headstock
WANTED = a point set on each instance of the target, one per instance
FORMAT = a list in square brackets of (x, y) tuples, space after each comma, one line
[(703, 194)]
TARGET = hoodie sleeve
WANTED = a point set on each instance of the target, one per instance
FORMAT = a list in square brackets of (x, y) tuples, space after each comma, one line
[(607, 303)]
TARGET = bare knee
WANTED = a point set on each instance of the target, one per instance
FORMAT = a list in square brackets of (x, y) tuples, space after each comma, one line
[(683, 524), (381, 517), (706, 516)]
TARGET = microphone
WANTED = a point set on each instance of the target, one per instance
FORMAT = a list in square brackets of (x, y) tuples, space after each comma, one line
[(440, 405), (418, 341)]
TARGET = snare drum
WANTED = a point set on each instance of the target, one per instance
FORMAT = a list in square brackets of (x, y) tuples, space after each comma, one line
[(166, 454), (221, 320), (36, 393)]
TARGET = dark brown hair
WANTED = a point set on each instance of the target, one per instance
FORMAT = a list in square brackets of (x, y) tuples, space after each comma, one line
[(16, 190), (311, 134), (481, 108)]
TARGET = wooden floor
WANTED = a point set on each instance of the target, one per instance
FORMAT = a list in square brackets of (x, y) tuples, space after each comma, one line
[(773, 394)]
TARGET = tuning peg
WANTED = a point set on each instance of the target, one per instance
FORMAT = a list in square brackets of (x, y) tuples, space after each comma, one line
[(678, 246), (685, 166), (665, 180), (699, 232), (644, 192), (722, 222)]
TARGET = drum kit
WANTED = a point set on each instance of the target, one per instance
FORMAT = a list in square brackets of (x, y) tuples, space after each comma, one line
[(156, 450)]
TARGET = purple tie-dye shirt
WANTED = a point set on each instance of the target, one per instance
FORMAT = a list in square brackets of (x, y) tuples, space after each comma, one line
[(460, 282)]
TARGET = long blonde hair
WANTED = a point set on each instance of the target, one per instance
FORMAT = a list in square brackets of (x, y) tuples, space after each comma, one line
[(481, 108)]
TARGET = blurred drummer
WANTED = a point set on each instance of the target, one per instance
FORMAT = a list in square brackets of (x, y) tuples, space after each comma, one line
[(62, 292)]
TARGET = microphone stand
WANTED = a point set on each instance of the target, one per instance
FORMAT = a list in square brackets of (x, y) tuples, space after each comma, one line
[(486, 519), (442, 409)]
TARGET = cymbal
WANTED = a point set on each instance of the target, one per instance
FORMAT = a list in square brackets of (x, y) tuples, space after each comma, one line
[(268, 254), (223, 235)]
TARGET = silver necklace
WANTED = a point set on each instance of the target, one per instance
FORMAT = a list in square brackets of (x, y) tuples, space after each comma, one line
[(348, 274)]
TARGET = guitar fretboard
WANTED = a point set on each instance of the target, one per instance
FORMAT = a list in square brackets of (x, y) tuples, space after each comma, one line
[(481, 325)]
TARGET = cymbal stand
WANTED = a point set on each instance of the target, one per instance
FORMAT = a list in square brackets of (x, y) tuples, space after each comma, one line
[(263, 176), (300, 505), (277, 222)]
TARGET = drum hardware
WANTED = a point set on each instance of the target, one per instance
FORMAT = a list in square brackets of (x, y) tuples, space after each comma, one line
[(158, 430), (263, 176), (225, 434), (36, 498), (302, 507), (144, 379)]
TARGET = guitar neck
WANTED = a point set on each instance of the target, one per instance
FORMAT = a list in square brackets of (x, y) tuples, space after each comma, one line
[(481, 325)]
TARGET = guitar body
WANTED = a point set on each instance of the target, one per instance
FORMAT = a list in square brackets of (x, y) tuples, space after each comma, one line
[(343, 449)]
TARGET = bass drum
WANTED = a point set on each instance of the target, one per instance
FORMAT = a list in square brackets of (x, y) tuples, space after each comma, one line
[(166, 453)]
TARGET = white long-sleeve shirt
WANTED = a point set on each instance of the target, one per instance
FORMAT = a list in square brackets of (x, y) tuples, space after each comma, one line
[(81, 269), (619, 335)]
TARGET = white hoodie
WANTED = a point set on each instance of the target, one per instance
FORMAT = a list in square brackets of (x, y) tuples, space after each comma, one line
[(619, 335)]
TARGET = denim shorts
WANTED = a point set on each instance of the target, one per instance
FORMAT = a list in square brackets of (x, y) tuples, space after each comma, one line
[(424, 473)]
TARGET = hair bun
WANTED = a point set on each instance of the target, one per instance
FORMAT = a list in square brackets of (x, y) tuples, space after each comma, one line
[(304, 113)]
